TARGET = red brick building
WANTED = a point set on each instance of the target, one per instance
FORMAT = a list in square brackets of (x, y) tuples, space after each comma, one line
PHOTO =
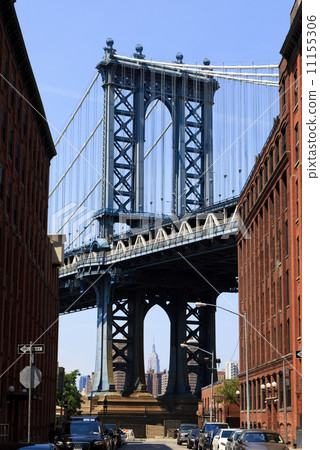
[(269, 261), (220, 412), (28, 278)]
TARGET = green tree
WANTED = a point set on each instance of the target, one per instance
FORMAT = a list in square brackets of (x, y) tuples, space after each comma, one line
[(227, 391), (70, 396)]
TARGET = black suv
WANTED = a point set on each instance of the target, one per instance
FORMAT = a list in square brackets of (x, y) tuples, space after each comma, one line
[(82, 435), (184, 431), (206, 429)]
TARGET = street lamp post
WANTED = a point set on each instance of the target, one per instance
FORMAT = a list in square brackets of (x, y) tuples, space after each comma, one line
[(192, 343), (244, 317)]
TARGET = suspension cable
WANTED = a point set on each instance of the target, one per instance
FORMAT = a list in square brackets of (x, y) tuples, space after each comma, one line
[(77, 109)]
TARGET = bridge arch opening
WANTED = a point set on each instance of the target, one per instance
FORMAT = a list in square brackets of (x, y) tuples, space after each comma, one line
[(156, 349), (158, 159)]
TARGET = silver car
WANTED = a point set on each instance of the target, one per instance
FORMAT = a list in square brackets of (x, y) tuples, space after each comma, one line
[(232, 438)]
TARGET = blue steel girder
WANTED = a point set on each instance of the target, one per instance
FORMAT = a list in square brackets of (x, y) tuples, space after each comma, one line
[(124, 166), (130, 85)]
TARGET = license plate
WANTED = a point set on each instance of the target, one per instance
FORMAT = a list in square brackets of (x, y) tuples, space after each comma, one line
[(77, 446)]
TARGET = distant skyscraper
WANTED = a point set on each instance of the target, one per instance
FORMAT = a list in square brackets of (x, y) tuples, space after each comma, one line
[(232, 369), (164, 382), (153, 361), (82, 382)]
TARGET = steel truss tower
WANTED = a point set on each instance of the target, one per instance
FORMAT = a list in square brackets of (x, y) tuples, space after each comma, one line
[(130, 86)]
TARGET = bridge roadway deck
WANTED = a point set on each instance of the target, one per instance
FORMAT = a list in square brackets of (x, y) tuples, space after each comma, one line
[(200, 261)]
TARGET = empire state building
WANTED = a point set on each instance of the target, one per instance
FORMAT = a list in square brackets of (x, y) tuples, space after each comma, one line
[(153, 361)]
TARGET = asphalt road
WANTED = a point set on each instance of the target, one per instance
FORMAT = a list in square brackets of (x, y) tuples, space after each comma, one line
[(154, 444)]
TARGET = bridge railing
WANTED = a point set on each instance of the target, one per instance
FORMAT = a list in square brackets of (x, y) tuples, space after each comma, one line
[(140, 246)]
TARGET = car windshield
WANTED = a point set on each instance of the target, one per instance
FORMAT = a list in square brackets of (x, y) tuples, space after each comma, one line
[(187, 427), (195, 432), (236, 434), (81, 428), (263, 437), (225, 433)]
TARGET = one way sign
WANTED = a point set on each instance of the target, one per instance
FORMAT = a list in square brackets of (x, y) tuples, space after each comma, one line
[(25, 348)]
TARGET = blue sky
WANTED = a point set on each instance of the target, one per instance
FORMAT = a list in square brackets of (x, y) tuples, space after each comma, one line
[(65, 41)]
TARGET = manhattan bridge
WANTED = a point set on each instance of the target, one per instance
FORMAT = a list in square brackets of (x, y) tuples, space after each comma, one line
[(144, 186)]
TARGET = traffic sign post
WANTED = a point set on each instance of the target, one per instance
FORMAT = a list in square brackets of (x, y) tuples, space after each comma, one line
[(30, 376)]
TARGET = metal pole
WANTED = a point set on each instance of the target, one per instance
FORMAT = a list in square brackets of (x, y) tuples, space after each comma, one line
[(211, 395), (29, 396), (247, 370), (285, 399)]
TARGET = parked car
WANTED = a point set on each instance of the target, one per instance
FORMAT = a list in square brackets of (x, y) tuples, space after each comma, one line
[(110, 431), (37, 447), (207, 431), (193, 438), (220, 439), (121, 437), (184, 431), (84, 434), (232, 438), (260, 439)]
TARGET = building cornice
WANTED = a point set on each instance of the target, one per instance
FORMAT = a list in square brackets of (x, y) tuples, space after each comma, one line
[(14, 35)]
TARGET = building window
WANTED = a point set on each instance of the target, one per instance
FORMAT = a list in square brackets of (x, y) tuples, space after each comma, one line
[(15, 206), (299, 316), (288, 387), (254, 402), (242, 396), (296, 99), (259, 393), (1, 183), (3, 125), (276, 151), (266, 171), (296, 129), (21, 219), (274, 252), (271, 161), (285, 190), (287, 287), (279, 241), (287, 238), (297, 198), (283, 140), (10, 142), (18, 107), (274, 302), (24, 123), (263, 406), (298, 257), (281, 338), (288, 336), (283, 93), (8, 196), (12, 90), (280, 293), (280, 389), (5, 70), (17, 156)]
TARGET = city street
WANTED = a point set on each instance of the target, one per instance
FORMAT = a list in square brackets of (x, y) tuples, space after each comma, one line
[(153, 444)]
